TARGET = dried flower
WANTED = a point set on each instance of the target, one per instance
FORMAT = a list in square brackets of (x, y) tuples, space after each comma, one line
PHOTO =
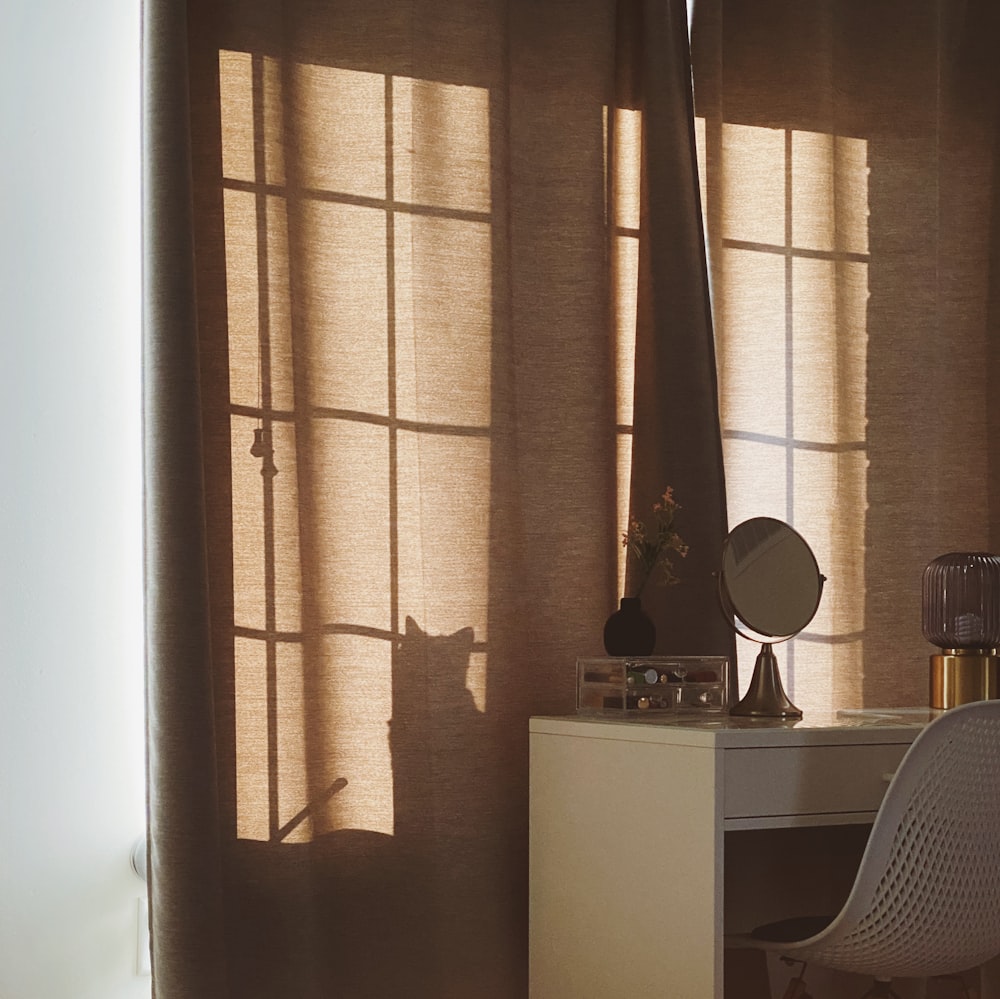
[(652, 550)]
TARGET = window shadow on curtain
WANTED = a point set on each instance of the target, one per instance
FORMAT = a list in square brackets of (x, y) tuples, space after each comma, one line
[(393, 259), (849, 170)]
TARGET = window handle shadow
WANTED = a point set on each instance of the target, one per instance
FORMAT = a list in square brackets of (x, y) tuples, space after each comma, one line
[(293, 823)]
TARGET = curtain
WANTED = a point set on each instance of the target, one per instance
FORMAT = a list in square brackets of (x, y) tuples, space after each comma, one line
[(848, 154), (403, 261)]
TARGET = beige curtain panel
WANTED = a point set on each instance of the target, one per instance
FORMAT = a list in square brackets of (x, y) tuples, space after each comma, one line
[(849, 173), (436, 293), (402, 263)]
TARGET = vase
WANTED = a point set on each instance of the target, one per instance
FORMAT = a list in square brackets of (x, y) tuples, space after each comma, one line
[(630, 630)]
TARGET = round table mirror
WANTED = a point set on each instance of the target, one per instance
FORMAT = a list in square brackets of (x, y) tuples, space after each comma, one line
[(770, 587)]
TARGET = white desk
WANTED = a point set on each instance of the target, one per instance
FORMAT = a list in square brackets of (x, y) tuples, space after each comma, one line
[(650, 840)]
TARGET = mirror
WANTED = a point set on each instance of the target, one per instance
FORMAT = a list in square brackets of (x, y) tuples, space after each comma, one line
[(770, 587)]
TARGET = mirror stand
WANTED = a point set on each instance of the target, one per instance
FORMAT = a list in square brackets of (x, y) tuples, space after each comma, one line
[(766, 697)]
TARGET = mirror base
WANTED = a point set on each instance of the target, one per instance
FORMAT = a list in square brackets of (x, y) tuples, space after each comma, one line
[(766, 697)]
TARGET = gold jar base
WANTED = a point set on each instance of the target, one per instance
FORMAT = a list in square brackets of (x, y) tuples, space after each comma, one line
[(958, 676)]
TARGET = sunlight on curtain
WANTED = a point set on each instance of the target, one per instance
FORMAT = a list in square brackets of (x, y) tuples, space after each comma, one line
[(625, 181), (786, 213), (359, 474), (364, 426), (626, 126)]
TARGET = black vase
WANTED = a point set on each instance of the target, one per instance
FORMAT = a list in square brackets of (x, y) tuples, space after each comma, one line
[(630, 630)]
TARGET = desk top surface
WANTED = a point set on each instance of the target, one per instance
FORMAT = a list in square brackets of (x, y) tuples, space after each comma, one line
[(723, 731)]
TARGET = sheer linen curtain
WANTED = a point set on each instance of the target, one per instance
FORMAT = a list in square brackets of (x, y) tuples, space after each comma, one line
[(395, 252), (848, 152)]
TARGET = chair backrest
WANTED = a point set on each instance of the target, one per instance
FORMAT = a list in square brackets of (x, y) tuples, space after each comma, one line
[(926, 898)]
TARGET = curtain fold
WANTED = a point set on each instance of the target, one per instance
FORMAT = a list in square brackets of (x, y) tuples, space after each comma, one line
[(676, 435), (183, 813), (392, 282)]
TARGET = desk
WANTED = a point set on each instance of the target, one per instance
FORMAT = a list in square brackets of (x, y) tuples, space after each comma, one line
[(650, 840)]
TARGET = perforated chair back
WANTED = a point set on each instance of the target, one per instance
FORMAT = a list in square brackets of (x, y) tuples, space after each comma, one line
[(926, 898)]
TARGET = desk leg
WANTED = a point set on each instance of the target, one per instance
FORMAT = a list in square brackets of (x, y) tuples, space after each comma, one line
[(625, 896)]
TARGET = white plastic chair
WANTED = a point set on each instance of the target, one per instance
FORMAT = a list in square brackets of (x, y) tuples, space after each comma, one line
[(926, 897)]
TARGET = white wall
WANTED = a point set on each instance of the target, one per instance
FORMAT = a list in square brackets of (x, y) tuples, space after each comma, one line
[(71, 769)]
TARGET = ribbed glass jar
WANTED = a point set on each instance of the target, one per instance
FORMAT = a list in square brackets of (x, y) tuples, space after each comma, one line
[(961, 601)]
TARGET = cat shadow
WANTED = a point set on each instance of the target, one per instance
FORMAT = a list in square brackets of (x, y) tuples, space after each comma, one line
[(434, 734), (407, 913)]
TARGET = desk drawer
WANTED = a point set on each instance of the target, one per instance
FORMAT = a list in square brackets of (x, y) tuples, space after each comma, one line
[(807, 780)]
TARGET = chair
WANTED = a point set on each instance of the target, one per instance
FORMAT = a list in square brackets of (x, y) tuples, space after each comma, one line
[(926, 898)]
